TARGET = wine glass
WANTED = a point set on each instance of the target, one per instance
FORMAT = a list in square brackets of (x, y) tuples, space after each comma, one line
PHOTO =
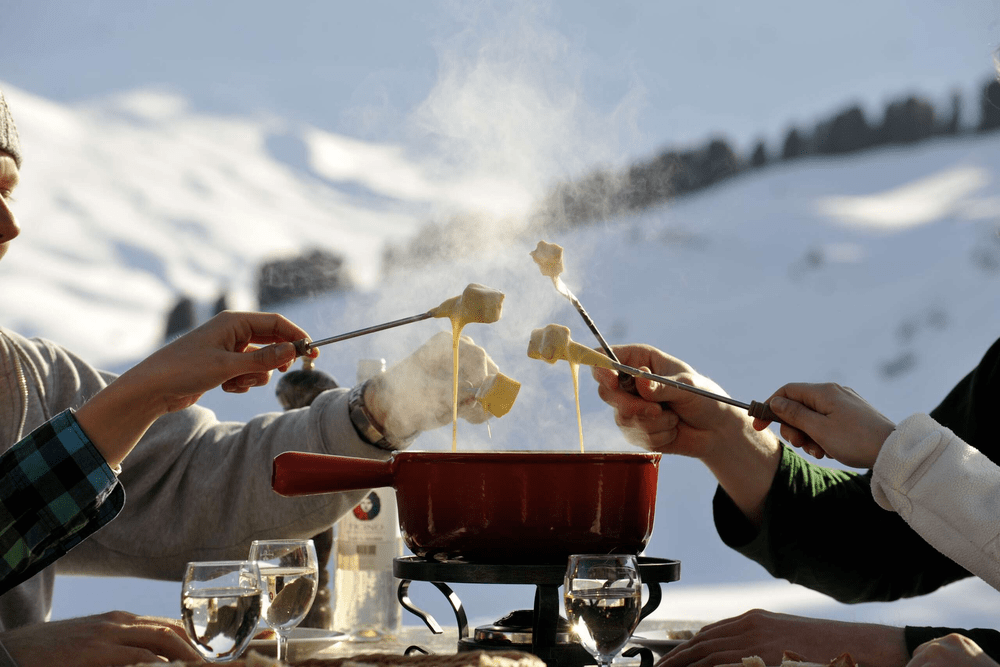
[(603, 596), (289, 576), (220, 607)]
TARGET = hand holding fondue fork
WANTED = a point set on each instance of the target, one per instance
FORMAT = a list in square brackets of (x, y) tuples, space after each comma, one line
[(553, 342)]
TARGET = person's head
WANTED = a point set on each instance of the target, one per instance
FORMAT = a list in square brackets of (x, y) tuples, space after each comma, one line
[(10, 164), (366, 504)]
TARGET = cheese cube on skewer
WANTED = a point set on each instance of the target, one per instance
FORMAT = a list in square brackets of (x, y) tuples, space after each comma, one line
[(497, 394)]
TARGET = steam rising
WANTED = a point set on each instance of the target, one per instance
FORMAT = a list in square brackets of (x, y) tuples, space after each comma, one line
[(207, 199), (506, 120)]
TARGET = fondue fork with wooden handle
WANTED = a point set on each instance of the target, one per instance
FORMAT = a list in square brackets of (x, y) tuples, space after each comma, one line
[(753, 408)]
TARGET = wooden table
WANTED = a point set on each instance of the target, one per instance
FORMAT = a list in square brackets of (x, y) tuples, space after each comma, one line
[(447, 642)]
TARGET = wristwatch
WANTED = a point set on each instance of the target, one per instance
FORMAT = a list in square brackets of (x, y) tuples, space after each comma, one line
[(364, 424)]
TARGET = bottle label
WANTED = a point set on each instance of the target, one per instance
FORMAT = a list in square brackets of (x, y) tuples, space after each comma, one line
[(370, 556), (367, 537)]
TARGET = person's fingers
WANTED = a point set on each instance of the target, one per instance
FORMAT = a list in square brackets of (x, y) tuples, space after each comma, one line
[(796, 415), (605, 377), (253, 367), (266, 328), (159, 639), (273, 356), (243, 383), (172, 624), (663, 420), (654, 433), (801, 440), (808, 393), (634, 355), (658, 392), (628, 405)]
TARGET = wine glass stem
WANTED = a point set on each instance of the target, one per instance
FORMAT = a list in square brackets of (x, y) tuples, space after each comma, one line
[(281, 653)]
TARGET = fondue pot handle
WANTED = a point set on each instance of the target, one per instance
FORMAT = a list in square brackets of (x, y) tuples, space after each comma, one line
[(303, 473)]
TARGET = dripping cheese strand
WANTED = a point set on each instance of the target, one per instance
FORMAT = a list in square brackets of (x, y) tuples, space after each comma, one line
[(575, 370), (477, 303), (553, 343), (456, 333)]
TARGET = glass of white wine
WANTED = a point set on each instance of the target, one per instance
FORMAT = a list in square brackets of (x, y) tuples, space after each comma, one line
[(220, 607), (289, 574), (603, 597)]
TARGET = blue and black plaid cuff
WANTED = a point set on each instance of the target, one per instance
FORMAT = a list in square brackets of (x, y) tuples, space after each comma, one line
[(57, 489)]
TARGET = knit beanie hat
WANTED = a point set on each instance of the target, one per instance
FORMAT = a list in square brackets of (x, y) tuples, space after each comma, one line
[(8, 132)]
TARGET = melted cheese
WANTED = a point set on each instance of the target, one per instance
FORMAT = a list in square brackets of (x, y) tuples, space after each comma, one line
[(497, 394), (549, 258), (553, 343), (477, 303)]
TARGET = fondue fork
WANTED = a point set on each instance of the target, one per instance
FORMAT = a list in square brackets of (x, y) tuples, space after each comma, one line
[(303, 346), (627, 383), (753, 408)]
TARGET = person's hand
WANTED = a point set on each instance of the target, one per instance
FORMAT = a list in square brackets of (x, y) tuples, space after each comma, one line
[(666, 419), (830, 420), (953, 650), (107, 640), (663, 418), (224, 351), (417, 393), (768, 635)]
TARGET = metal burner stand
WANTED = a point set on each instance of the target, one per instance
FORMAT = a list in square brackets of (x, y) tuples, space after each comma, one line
[(545, 616)]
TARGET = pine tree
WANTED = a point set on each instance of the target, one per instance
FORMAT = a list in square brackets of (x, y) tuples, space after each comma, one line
[(794, 146), (990, 119)]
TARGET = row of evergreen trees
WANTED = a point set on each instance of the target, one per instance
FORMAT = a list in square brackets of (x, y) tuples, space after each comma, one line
[(672, 173)]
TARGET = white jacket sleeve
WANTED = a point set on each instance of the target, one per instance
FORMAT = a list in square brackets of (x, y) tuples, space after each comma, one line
[(946, 490)]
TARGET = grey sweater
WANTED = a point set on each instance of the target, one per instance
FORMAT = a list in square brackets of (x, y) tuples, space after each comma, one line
[(196, 488)]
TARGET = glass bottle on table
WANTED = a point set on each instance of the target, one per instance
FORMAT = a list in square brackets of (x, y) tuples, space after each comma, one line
[(367, 541)]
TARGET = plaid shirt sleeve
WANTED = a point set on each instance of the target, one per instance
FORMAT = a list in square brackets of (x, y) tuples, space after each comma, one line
[(56, 490)]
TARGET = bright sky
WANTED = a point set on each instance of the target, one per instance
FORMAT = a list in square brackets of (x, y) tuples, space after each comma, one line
[(668, 72)]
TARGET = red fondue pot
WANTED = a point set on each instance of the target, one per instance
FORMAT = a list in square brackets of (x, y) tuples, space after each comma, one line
[(497, 507)]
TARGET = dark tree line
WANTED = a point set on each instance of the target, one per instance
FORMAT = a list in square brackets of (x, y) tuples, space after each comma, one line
[(605, 193), (906, 120)]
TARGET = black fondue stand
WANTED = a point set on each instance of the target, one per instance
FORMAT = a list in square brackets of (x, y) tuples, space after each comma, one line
[(550, 637)]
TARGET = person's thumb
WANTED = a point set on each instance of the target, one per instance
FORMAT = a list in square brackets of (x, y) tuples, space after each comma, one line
[(793, 413), (273, 356)]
